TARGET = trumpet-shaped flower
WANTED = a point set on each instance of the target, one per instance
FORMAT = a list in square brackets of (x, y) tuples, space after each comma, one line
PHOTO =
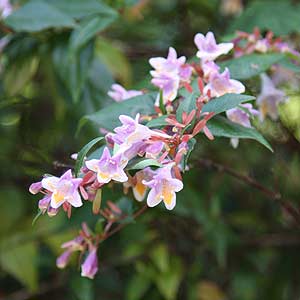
[(208, 49), (221, 84), (171, 64), (63, 189), (89, 268), (63, 259), (139, 188), (5, 8), (119, 93), (168, 72), (108, 167), (163, 188), (209, 68), (241, 116), (131, 131), (269, 98), (35, 187), (168, 83)]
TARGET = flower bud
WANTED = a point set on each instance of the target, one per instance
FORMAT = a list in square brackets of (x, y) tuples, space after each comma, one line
[(63, 259), (90, 266), (35, 187)]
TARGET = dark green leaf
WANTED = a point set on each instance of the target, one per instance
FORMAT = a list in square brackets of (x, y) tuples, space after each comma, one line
[(36, 16), (89, 28), (225, 102), (281, 17), (251, 65), (20, 262), (137, 287), (83, 152), (108, 117), (79, 9), (220, 126)]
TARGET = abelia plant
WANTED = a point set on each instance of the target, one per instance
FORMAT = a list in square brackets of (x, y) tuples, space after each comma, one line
[(149, 151)]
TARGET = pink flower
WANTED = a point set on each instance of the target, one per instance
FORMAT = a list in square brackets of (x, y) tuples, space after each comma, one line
[(168, 73), (108, 167), (63, 189), (90, 266), (209, 68), (163, 188), (242, 117), (35, 187), (119, 94), (269, 98), (221, 84), (262, 45), (63, 259), (139, 188), (5, 8), (131, 131), (171, 64), (168, 83), (208, 49)]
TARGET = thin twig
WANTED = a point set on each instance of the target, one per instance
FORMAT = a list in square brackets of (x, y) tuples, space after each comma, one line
[(121, 226), (285, 204)]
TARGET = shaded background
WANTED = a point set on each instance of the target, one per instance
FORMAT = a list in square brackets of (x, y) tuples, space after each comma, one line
[(224, 239)]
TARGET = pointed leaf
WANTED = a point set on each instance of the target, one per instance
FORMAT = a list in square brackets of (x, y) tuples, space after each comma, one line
[(251, 65), (108, 117), (225, 102), (142, 163), (36, 16), (220, 126), (83, 152)]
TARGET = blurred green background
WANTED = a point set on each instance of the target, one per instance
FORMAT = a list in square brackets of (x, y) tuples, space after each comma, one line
[(224, 239)]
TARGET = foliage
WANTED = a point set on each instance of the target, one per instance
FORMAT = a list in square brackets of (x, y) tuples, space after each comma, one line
[(226, 238)]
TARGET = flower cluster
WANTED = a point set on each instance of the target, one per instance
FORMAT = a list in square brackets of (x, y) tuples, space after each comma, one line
[(163, 152), (246, 43)]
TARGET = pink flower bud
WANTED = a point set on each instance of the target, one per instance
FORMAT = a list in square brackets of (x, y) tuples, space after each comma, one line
[(90, 266), (35, 187), (63, 259)]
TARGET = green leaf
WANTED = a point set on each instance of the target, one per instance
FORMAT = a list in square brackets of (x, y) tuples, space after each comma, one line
[(37, 16), (288, 64), (18, 74), (157, 122), (115, 59), (20, 262), (83, 152), (251, 65), (137, 287), (168, 282), (220, 126), (78, 9), (89, 28), (225, 102), (73, 67), (160, 257), (281, 17), (82, 288), (142, 163), (187, 105), (108, 117)]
